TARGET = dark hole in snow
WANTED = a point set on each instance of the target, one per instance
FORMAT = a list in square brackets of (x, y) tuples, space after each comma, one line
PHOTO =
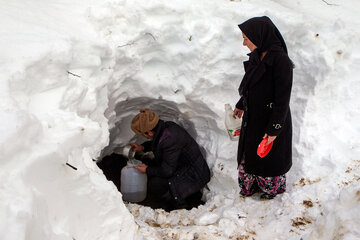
[(112, 160)]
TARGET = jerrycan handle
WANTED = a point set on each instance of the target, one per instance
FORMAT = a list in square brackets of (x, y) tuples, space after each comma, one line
[(133, 163)]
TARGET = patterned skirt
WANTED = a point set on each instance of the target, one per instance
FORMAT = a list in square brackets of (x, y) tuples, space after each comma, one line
[(250, 183)]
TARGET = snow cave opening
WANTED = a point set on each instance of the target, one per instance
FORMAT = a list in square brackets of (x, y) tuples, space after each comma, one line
[(112, 158)]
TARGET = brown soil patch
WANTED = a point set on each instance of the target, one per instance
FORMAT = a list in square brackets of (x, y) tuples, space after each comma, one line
[(308, 203), (302, 182), (300, 221)]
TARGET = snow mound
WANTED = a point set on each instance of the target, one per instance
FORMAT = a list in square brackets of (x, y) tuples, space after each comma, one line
[(74, 74)]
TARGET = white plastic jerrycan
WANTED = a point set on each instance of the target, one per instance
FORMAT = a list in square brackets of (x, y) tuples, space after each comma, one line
[(233, 126), (133, 183)]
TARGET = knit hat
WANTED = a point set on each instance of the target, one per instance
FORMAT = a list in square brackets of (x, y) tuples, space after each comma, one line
[(145, 121)]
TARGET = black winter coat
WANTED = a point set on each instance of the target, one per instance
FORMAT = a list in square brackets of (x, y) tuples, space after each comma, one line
[(178, 159), (266, 110)]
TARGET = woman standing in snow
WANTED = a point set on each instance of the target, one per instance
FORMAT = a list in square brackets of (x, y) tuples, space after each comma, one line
[(264, 104)]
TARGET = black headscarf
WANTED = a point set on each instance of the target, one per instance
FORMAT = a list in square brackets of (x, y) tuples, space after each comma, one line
[(263, 33)]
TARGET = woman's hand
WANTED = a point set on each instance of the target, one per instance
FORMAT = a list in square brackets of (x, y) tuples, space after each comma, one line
[(270, 138), (141, 168), (238, 113), (136, 147)]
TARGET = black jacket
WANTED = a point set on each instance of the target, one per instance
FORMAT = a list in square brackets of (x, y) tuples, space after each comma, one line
[(178, 159), (266, 110)]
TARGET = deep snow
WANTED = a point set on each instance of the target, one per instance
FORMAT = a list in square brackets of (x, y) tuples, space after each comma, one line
[(74, 74)]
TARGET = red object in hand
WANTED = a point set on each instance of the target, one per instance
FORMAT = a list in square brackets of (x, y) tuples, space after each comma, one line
[(263, 150)]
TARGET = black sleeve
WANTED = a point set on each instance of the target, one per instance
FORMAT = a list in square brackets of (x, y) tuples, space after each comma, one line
[(147, 146), (240, 104), (170, 156), (282, 77)]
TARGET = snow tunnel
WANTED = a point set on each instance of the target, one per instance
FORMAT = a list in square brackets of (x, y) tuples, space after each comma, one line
[(70, 98), (113, 159)]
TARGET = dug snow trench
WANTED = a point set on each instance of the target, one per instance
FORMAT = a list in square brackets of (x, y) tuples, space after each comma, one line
[(188, 73), (75, 100)]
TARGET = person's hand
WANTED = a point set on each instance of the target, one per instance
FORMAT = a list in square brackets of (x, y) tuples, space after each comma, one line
[(136, 147), (270, 139), (238, 113), (141, 168)]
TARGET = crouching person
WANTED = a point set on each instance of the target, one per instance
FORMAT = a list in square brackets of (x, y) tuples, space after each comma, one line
[(179, 171)]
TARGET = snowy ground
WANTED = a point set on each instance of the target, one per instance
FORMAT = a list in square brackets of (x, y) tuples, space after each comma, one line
[(74, 74)]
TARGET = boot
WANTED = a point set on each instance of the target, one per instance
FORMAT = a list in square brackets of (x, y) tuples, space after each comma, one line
[(266, 196)]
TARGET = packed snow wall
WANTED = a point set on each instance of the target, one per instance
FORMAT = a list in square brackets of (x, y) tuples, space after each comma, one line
[(73, 100)]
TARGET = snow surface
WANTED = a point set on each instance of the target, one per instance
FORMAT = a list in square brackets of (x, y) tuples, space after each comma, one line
[(74, 73)]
